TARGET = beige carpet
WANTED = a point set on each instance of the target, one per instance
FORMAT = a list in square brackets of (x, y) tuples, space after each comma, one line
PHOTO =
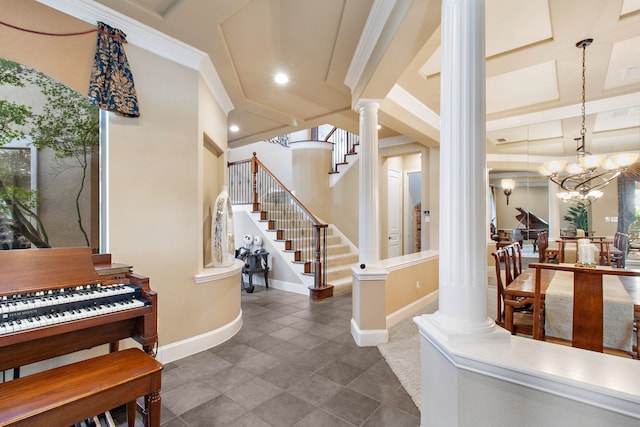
[(402, 352)]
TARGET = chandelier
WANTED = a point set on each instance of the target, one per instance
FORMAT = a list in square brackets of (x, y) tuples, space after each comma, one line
[(583, 180)]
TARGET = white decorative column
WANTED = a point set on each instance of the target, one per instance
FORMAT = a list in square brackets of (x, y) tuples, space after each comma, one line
[(554, 212), (463, 177), (462, 312), (369, 228), (369, 322)]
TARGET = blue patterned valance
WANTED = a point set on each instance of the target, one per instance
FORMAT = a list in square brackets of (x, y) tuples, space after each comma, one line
[(111, 87)]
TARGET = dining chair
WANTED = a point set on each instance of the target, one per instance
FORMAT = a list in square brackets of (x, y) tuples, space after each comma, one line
[(506, 308), (636, 327), (618, 252), (515, 255), (502, 264), (545, 253)]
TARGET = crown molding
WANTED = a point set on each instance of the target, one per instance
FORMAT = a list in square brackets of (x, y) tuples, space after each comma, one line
[(378, 17), (148, 39), (403, 98)]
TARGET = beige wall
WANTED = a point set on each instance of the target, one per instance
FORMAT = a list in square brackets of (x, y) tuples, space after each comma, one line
[(156, 171), (606, 206), (274, 157), (311, 164), (156, 161), (536, 200), (411, 283), (532, 199), (67, 59), (345, 204)]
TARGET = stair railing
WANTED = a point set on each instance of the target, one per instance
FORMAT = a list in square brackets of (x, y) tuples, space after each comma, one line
[(344, 143), (250, 182)]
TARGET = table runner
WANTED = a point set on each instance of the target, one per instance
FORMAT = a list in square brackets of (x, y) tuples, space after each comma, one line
[(617, 310)]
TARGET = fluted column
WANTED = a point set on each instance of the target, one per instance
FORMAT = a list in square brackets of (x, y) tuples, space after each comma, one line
[(463, 242), (369, 225), (554, 212), (368, 324)]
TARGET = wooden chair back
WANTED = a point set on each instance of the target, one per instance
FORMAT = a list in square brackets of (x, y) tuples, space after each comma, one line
[(620, 242), (515, 256), (543, 244), (502, 264)]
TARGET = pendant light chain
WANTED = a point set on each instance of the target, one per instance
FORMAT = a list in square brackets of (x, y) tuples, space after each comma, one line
[(583, 180), (584, 91)]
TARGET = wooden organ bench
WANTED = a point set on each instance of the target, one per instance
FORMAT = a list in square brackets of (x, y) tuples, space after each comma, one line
[(68, 394), (58, 301)]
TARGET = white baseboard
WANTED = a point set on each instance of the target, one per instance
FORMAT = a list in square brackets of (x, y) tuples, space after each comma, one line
[(281, 285), (370, 337), (411, 309), (177, 350)]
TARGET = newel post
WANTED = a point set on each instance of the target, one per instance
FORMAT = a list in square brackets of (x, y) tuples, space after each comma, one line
[(320, 290)]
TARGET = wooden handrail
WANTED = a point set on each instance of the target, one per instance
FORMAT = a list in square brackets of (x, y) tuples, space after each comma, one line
[(326, 138), (316, 221)]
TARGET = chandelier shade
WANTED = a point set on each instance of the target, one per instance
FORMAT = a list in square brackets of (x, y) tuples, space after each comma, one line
[(583, 180)]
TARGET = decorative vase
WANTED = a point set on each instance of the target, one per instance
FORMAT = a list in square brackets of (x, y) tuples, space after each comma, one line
[(222, 237)]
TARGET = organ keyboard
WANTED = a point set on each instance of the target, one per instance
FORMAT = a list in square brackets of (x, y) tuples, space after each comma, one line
[(60, 300)]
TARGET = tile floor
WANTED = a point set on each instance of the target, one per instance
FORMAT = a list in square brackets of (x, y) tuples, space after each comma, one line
[(293, 363)]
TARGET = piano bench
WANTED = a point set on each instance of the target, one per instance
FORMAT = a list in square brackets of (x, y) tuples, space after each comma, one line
[(69, 394)]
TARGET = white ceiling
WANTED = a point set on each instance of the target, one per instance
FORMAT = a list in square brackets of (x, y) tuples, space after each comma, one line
[(533, 67)]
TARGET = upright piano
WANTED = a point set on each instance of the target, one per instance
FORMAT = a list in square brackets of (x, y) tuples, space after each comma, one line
[(57, 301), (529, 225)]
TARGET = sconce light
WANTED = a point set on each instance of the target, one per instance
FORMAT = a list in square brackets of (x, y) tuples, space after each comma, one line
[(507, 188)]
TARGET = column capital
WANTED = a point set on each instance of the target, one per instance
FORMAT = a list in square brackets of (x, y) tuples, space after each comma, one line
[(367, 103)]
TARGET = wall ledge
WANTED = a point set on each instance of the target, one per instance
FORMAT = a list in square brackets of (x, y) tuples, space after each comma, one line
[(311, 145), (404, 261), (211, 274), (596, 379)]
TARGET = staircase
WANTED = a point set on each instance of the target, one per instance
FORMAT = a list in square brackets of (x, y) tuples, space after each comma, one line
[(340, 258), (285, 235), (345, 152), (321, 256)]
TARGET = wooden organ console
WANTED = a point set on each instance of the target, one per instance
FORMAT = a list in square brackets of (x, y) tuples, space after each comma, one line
[(58, 301)]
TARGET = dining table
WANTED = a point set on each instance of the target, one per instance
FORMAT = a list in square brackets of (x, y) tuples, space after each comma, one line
[(578, 302)]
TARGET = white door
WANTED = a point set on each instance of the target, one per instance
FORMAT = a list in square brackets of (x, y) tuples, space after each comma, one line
[(394, 213)]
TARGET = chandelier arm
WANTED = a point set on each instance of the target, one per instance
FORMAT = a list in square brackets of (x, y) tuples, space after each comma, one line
[(556, 180), (583, 183)]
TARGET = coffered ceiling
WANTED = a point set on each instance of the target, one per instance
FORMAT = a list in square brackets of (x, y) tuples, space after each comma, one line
[(337, 51)]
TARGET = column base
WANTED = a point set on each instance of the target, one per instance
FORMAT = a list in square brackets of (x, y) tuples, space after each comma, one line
[(318, 294), (368, 337)]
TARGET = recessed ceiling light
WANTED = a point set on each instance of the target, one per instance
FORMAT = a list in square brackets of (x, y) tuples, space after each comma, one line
[(281, 78), (234, 128)]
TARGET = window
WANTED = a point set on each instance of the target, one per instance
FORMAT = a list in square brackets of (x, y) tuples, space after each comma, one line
[(49, 162)]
